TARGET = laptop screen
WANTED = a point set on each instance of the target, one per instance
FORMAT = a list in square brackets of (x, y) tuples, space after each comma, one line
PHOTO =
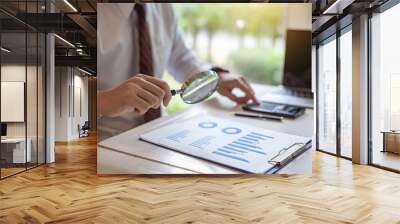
[(297, 68)]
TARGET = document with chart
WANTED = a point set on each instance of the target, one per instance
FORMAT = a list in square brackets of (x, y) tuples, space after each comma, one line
[(229, 143)]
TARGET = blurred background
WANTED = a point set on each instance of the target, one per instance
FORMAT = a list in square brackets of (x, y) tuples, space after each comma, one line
[(246, 38)]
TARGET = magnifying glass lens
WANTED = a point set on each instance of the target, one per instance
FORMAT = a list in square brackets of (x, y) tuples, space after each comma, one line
[(200, 87)]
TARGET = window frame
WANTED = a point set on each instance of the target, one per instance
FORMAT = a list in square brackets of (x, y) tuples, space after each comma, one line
[(347, 27), (27, 29), (378, 10)]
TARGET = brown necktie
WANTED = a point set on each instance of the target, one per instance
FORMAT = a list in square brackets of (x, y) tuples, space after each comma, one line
[(145, 54)]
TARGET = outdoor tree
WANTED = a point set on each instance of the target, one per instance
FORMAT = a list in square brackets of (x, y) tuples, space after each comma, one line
[(273, 21), (195, 18), (191, 20), (213, 22), (265, 20)]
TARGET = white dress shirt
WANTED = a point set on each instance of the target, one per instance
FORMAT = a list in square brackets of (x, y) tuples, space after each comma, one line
[(117, 52)]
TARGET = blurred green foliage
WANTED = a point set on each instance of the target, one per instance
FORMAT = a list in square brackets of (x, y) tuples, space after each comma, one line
[(259, 65), (260, 21), (257, 20)]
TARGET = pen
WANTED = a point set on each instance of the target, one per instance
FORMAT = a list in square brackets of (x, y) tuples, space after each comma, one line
[(266, 117)]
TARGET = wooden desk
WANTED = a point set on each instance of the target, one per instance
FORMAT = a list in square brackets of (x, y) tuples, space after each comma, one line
[(113, 157), (391, 141)]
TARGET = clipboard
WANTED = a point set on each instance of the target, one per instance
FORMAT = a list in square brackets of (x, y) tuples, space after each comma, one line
[(287, 155), (230, 144)]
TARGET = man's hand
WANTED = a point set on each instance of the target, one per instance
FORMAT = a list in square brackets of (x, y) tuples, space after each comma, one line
[(137, 94), (228, 82)]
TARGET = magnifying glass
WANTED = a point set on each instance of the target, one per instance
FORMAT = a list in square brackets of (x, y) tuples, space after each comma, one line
[(198, 87)]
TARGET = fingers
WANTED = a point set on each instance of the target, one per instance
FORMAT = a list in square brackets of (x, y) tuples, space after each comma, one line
[(161, 84), (147, 88), (233, 97), (141, 106), (247, 84), (148, 92), (151, 99), (230, 82), (154, 89), (139, 94), (246, 88), (138, 103)]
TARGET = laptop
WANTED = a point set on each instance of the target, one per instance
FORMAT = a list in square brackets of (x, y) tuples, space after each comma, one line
[(296, 88)]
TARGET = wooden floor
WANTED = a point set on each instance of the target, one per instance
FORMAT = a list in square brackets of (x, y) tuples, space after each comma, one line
[(69, 191), (5, 172)]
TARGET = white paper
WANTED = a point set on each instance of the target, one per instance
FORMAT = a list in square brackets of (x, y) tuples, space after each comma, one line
[(225, 142)]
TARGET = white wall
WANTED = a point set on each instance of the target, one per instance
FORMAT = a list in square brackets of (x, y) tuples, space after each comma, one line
[(34, 125), (12, 73), (80, 85), (61, 103), (70, 83)]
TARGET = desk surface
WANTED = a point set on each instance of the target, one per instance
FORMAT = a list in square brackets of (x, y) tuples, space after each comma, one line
[(13, 140), (114, 157)]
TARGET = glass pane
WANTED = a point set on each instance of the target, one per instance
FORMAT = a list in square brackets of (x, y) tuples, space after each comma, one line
[(346, 94), (327, 97), (385, 84), (13, 87), (31, 99), (41, 99)]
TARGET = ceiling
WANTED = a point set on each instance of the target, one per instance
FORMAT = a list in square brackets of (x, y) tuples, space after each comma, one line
[(75, 21), (330, 15)]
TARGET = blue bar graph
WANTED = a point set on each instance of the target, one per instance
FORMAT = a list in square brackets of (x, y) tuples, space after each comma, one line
[(226, 151), (233, 149), (261, 135), (247, 144), (230, 156), (250, 139), (255, 137), (245, 141), (246, 148)]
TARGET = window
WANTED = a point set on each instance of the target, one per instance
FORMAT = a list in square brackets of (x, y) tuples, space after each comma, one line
[(385, 86), (335, 74), (22, 88), (346, 93), (327, 96)]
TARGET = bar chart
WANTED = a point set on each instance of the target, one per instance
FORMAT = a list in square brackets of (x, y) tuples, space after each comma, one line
[(246, 144), (225, 142)]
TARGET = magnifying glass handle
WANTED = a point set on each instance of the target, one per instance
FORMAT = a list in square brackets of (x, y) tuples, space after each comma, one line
[(176, 91)]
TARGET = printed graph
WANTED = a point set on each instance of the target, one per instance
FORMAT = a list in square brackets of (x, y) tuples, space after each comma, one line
[(229, 143), (237, 148), (207, 124), (247, 144)]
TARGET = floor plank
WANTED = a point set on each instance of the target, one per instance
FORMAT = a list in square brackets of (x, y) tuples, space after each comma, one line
[(69, 191)]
